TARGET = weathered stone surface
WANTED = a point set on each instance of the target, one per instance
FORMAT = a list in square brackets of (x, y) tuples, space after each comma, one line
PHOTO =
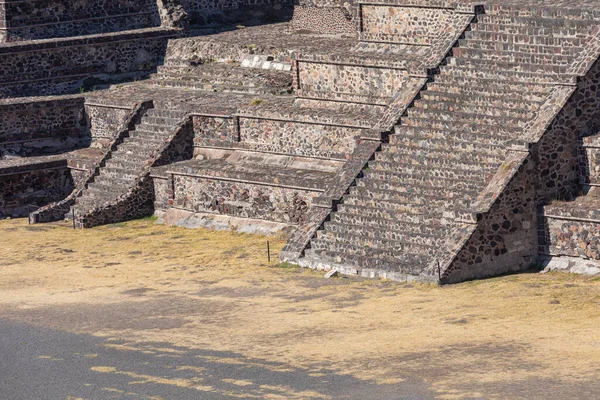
[(406, 139)]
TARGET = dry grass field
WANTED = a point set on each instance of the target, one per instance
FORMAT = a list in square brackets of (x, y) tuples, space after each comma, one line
[(171, 292)]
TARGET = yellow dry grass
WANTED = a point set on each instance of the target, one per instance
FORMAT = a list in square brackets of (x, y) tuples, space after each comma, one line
[(461, 339)]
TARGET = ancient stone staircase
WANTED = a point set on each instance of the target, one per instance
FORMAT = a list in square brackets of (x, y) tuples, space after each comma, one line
[(130, 160), (400, 216)]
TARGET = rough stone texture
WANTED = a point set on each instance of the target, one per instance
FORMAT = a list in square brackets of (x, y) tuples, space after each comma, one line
[(407, 25), (247, 200), (66, 65), (41, 19), (216, 12), (27, 187), (325, 20), (104, 122), (43, 126), (423, 146)]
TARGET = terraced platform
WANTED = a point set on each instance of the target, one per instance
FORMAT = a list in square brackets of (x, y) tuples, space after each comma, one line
[(410, 140)]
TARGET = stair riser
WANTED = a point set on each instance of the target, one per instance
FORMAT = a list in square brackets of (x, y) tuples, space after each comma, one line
[(520, 48), (381, 244), (418, 160), (500, 66), (392, 225), (479, 101), (508, 57), (525, 39)]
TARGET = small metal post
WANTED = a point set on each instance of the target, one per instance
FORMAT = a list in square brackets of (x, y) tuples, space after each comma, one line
[(268, 251), (73, 217), (439, 273)]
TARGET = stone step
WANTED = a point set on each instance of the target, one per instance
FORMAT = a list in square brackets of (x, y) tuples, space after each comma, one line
[(166, 113), (467, 107), (513, 56), (226, 74), (434, 228), (416, 158), (108, 181), (582, 14), (375, 212), (110, 185), (486, 65), (465, 117), (120, 173), (156, 137), (393, 201), (488, 86), (526, 39), (458, 194), (145, 141), (479, 99), (519, 47), (518, 20), (126, 163), (135, 148), (350, 252), (165, 121), (216, 87), (383, 234), (478, 89), (148, 127), (489, 72), (326, 237), (397, 201), (402, 132), (94, 194), (447, 143), (541, 30), (476, 173), (407, 263), (399, 180), (461, 126)]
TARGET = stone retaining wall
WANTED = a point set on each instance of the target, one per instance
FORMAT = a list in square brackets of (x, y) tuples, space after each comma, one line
[(68, 65), (34, 186), (572, 237), (104, 122), (407, 25), (42, 19), (215, 12), (43, 126), (235, 198), (297, 138), (349, 82)]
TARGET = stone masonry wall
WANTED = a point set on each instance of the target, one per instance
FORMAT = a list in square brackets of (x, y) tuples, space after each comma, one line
[(64, 66), (558, 149), (36, 188), (212, 12), (298, 138), (506, 237), (323, 20), (42, 19), (42, 127), (213, 131), (104, 122), (350, 83), (410, 25), (240, 199), (572, 238)]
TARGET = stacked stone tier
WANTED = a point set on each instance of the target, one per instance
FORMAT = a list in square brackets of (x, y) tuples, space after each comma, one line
[(401, 214)]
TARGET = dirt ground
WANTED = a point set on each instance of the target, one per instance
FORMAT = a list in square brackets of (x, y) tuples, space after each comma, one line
[(233, 325)]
